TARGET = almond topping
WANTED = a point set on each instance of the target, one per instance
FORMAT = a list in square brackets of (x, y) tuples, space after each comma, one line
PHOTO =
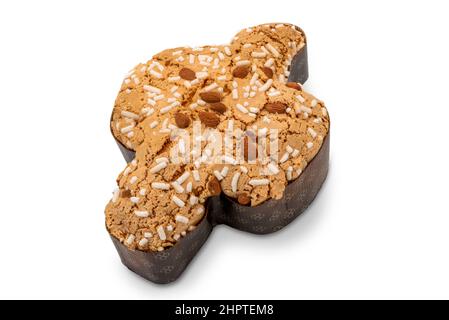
[(241, 72), (211, 96), (125, 194), (268, 72), (218, 107), (294, 85), (182, 120), (187, 74), (210, 119), (276, 107)]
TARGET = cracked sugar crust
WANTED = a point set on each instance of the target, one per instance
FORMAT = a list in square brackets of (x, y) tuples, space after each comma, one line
[(157, 201)]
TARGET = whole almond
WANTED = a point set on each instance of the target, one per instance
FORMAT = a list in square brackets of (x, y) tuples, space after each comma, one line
[(241, 72), (243, 199), (182, 120), (268, 72), (125, 194), (276, 107), (210, 119), (187, 74), (211, 96), (218, 107), (214, 186), (294, 85)]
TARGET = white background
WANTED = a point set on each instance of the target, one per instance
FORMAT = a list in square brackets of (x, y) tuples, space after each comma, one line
[(378, 229)]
